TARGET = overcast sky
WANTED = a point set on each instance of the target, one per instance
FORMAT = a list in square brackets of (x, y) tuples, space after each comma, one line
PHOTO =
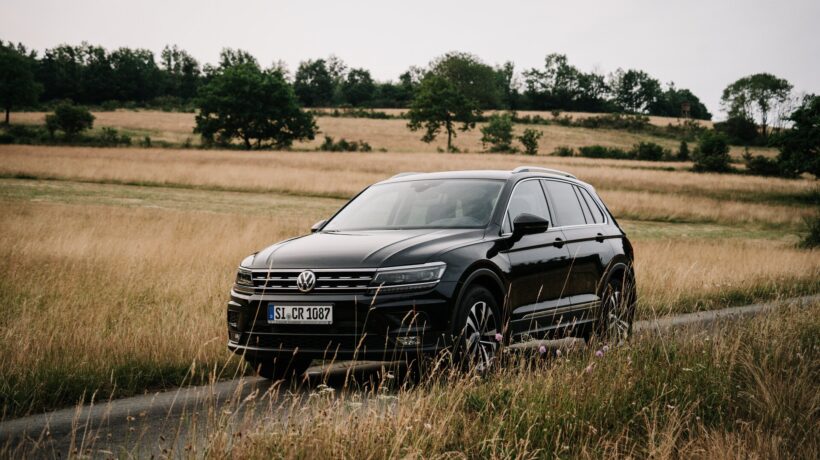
[(700, 45)]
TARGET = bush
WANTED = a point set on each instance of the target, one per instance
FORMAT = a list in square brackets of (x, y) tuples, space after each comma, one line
[(683, 151), (712, 154), (498, 133), (111, 137), (759, 165), (343, 145), (70, 119), (563, 151), (739, 130), (529, 139), (812, 237), (647, 151), (599, 151), (615, 121)]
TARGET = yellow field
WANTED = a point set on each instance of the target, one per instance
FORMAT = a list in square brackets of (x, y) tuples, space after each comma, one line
[(392, 135), (117, 262)]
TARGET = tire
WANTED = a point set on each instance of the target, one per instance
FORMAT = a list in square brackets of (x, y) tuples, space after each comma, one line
[(475, 328), (617, 310), (280, 367)]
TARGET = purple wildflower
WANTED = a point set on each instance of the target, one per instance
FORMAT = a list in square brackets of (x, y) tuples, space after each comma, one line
[(498, 337), (599, 353), (606, 348), (542, 349)]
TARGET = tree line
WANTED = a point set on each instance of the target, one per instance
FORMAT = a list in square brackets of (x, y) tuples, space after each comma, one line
[(92, 75)]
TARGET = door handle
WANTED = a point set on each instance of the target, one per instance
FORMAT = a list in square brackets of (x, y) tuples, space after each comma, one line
[(559, 243), (599, 237)]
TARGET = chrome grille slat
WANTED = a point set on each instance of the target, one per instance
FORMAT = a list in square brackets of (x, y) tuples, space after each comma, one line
[(327, 280)]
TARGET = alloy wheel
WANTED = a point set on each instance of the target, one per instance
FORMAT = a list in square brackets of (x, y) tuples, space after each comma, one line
[(480, 336)]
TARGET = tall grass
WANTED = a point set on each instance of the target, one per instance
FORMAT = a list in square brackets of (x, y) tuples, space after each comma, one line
[(121, 299)]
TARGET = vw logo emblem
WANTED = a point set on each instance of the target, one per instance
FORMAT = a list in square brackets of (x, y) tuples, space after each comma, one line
[(306, 281)]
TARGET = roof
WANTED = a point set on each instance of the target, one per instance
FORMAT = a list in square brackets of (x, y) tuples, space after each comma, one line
[(523, 171)]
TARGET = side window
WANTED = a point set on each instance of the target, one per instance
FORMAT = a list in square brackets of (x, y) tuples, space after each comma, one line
[(597, 215), (584, 208), (566, 203), (528, 197)]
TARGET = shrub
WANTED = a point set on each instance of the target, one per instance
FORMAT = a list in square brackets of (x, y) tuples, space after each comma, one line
[(760, 165), (563, 151), (648, 151), (498, 133), (343, 145), (683, 151), (599, 151), (111, 137), (739, 130), (712, 154), (70, 119), (145, 142), (615, 121), (812, 237), (529, 139)]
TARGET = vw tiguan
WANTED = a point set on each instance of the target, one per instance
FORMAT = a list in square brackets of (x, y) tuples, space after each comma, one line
[(420, 263)]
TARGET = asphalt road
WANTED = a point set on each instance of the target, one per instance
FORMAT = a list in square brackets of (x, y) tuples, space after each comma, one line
[(173, 421)]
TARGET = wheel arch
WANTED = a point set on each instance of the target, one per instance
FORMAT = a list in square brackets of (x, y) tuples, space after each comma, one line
[(487, 276)]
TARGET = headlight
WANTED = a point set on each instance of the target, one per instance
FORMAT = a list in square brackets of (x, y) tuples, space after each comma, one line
[(244, 277), (411, 277)]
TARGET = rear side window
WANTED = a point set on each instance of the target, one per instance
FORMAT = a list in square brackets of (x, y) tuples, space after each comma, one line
[(528, 198), (566, 203), (597, 215)]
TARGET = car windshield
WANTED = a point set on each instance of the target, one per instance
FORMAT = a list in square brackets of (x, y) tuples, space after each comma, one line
[(436, 203)]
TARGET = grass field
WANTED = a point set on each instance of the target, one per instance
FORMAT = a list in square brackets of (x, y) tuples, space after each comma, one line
[(117, 262), (391, 135), (746, 390)]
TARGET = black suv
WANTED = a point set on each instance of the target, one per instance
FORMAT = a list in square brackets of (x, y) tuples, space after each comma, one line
[(419, 263)]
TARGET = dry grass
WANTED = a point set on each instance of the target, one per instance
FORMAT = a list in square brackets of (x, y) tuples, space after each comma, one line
[(740, 391), (392, 135), (150, 284), (668, 193)]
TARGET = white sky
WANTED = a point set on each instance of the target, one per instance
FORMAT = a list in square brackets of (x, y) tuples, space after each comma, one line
[(701, 45)]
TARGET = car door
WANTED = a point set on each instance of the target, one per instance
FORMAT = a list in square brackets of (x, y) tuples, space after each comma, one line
[(583, 229), (539, 265)]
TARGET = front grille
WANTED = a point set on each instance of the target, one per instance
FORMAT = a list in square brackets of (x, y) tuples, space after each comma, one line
[(352, 281)]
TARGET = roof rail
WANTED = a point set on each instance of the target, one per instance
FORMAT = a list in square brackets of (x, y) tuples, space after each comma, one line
[(523, 169), (404, 174)]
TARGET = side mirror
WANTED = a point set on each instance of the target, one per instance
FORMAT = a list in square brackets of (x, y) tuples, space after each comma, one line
[(528, 224), (315, 228)]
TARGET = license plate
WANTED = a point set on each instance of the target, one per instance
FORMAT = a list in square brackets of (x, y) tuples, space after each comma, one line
[(300, 314)]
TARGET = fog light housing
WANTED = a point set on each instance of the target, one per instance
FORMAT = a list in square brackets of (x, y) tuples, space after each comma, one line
[(409, 341)]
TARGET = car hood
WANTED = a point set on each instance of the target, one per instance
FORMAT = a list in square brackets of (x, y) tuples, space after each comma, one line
[(363, 249)]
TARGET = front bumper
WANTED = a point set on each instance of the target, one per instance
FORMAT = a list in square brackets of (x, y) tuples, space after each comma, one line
[(385, 327)]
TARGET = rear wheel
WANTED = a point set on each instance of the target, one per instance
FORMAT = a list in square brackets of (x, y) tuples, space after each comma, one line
[(280, 367), (477, 325), (617, 310)]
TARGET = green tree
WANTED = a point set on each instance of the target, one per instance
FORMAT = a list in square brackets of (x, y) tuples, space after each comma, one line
[(182, 72), (498, 133), (671, 102), (438, 105), (757, 97), (358, 87), (70, 119), (529, 139), (136, 75), (471, 77), (712, 154), (634, 90), (17, 85), (313, 83), (800, 145), (258, 107)]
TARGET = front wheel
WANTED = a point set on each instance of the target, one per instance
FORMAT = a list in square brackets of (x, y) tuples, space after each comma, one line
[(476, 330), (280, 367)]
